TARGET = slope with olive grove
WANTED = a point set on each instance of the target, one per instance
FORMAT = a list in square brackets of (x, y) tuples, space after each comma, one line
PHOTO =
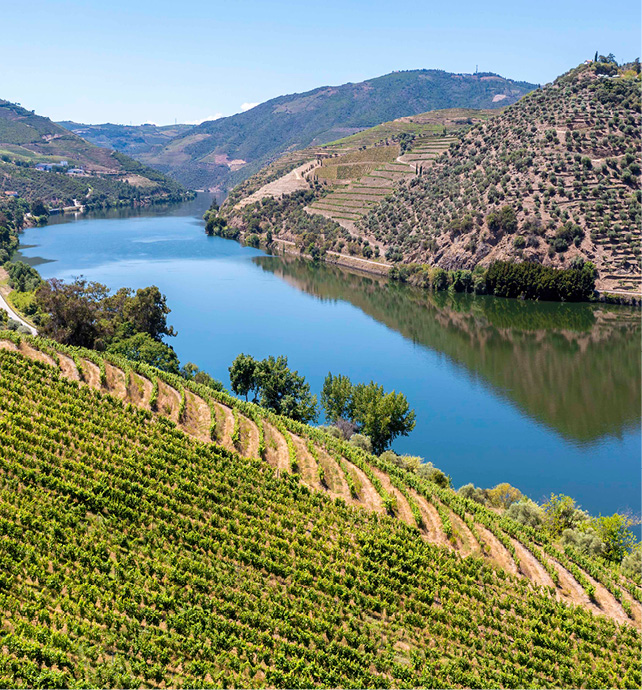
[(554, 179)]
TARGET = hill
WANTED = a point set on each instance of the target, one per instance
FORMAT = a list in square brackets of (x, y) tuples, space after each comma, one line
[(136, 551), (226, 151), (554, 177), (129, 139), (41, 160)]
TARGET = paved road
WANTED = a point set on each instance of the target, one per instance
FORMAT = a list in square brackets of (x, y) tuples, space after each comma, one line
[(15, 317)]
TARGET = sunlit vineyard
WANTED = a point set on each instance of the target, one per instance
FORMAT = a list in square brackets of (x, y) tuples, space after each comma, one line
[(155, 532)]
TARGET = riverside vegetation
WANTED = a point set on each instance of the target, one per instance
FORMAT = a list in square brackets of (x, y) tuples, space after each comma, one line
[(157, 531)]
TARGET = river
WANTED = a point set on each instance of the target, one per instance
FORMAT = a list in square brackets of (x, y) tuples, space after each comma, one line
[(544, 396)]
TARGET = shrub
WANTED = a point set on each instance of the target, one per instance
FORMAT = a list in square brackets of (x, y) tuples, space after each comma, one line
[(361, 441), (527, 513), (587, 542)]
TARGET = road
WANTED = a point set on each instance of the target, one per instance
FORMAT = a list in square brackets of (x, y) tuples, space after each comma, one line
[(15, 317)]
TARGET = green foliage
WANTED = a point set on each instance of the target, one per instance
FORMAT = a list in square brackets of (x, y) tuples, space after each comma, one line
[(22, 277), (585, 541), (243, 375), (336, 397), (615, 533), (534, 281), (141, 347), (526, 513), (85, 314), (276, 387), (632, 563), (380, 416), (560, 513)]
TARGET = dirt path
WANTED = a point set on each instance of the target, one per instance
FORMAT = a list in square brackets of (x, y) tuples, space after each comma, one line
[(8, 345), (116, 381), (91, 374), (368, 495), (531, 567), (224, 425), (35, 354), (466, 543), (334, 478), (404, 512), (68, 368), (308, 467), (197, 417), (169, 401), (432, 521), (139, 390), (608, 604), (570, 590), (497, 551), (249, 437), (277, 449)]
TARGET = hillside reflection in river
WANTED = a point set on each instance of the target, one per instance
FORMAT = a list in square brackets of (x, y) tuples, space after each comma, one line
[(574, 367)]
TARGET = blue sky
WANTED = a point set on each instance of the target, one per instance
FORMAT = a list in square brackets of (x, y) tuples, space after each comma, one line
[(142, 61)]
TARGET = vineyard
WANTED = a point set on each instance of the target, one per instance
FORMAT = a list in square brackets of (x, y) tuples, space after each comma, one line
[(156, 532)]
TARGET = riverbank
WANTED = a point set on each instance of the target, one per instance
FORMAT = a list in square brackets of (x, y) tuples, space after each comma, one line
[(395, 272)]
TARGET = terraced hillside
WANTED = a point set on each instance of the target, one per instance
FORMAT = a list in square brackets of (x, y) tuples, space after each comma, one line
[(342, 181), (137, 552), (82, 174), (362, 179), (554, 177)]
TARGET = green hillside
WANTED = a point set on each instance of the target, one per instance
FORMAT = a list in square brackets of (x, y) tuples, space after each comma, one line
[(136, 551), (129, 139), (223, 152), (98, 176)]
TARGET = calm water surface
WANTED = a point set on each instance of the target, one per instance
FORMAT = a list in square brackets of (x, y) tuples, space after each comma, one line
[(544, 396)]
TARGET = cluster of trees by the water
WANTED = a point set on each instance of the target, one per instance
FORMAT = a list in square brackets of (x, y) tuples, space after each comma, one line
[(363, 413), (525, 280)]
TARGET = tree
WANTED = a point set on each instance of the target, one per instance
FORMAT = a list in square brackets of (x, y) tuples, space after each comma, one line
[(38, 208), (381, 416), (336, 397), (614, 531), (503, 495), (243, 374), (22, 277), (560, 514), (73, 310), (147, 312), (284, 391), (143, 348)]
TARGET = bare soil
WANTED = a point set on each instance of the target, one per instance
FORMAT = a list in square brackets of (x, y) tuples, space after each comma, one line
[(91, 374), (432, 521), (68, 368), (197, 417), (498, 552)]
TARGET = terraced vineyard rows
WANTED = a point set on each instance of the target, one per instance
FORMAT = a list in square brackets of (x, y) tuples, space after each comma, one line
[(341, 471), (364, 178), (133, 554)]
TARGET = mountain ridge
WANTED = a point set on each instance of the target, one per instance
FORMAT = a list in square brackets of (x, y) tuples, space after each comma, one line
[(220, 152)]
